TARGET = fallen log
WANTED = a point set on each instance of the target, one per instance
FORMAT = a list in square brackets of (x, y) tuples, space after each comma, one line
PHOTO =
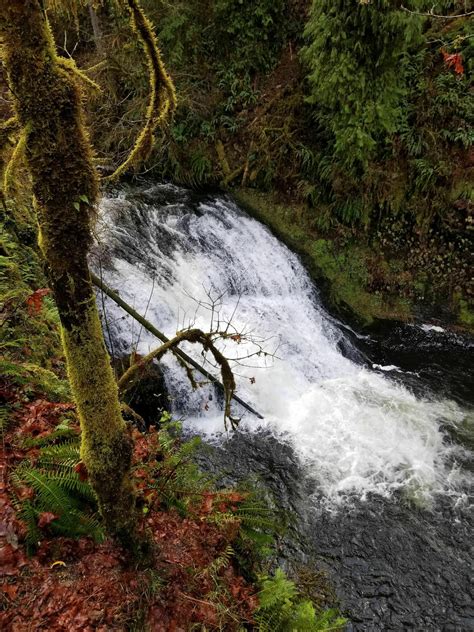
[(158, 334)]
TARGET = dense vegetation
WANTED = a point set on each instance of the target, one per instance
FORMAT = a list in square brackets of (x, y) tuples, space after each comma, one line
[(347, 127), (354, 116), (358, 115)]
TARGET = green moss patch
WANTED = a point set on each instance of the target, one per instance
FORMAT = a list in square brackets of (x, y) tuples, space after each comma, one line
[(346, 267)]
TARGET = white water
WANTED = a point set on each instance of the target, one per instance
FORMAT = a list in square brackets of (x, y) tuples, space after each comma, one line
[(357, 430)]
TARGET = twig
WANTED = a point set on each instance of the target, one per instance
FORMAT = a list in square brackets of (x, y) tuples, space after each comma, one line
[(153, 330), (430, 14)]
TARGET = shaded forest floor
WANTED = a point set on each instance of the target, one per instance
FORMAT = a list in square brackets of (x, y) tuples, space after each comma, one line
[(80, 584)]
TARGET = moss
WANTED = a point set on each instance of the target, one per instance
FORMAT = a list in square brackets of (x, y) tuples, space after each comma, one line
[(16, 157), (344, 270), (105, 447), (466, 314), (162, 92), (48, 104)]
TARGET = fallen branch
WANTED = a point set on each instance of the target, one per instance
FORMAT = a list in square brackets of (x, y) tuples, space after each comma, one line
[(189, 335), (158, 334)]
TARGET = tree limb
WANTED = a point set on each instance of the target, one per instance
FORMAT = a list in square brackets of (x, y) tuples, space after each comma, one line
[(162, 95), (430, 14), (158, 334), (189, 335)]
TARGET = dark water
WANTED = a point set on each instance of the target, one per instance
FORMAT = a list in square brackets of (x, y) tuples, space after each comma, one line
[(431, 360), (395, 564)]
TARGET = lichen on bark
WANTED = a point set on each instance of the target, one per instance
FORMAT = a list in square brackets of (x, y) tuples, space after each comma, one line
[(47, 99)]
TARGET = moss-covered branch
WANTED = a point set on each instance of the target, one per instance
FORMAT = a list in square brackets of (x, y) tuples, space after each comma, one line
[(15, 160), (194, 336), (184, 358), (162, 92)]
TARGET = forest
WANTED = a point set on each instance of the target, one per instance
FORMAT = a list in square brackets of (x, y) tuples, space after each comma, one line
[(236, 308)]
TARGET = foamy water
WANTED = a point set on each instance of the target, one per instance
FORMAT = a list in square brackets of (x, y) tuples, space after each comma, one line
[(356, 430)]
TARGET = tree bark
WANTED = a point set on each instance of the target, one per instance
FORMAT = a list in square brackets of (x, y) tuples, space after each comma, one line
[(96, 30), (47, 100)]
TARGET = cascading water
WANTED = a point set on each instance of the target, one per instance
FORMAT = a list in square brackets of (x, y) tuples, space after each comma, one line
[(356, 430), (358, 433)]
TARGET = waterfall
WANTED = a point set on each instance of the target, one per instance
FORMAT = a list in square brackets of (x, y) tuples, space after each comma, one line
[(356, 430)]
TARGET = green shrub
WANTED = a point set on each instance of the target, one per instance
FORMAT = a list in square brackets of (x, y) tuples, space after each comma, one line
[(281, 609)]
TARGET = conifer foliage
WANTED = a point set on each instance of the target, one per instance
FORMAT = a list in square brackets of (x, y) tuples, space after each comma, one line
[(355, 55)]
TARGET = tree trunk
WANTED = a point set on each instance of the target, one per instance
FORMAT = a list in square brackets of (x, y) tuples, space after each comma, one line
[(47, 100), (96, 30)]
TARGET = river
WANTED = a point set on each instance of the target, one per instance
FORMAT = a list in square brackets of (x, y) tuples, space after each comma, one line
[(365, 437)]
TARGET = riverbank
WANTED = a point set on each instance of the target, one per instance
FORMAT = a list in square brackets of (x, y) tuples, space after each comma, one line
[(364, 278)]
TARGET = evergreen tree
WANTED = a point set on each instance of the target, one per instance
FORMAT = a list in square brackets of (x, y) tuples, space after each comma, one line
[(355, 57)]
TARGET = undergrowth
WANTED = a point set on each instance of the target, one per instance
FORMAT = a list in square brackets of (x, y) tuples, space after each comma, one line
[(30, 346), (53, 498), (281, 609)]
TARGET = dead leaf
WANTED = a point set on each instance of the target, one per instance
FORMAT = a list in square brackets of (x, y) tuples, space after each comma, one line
[(46, 518), (81, 471)]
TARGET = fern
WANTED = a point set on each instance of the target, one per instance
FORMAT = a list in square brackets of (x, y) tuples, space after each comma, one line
[(176, 477), (58, 490), (276, 590), (5, 419), (33, 378), (50, 494), (218, 564), (28, 514), (282, 610), (62, 431), (73, 485), (201, 167), (66, 451)]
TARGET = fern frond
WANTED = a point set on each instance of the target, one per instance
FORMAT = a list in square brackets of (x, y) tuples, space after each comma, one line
[(79, 524), (66, 454), (5, 419), (50, 496), (281, 609), (221, 562), (70, 482), (28, 514), (58, 489)]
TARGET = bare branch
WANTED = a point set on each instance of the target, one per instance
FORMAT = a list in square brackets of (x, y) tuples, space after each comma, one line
[(193, 336), (210, 346), (431, 14)]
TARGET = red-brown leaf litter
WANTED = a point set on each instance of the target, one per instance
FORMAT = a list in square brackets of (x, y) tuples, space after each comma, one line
[(78, 584)]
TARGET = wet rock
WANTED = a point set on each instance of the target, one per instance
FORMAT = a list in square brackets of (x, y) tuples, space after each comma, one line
[(394, 566), (432, 358), (148, 396)]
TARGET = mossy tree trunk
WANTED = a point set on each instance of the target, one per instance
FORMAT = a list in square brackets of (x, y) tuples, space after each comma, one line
[(47, 99)]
